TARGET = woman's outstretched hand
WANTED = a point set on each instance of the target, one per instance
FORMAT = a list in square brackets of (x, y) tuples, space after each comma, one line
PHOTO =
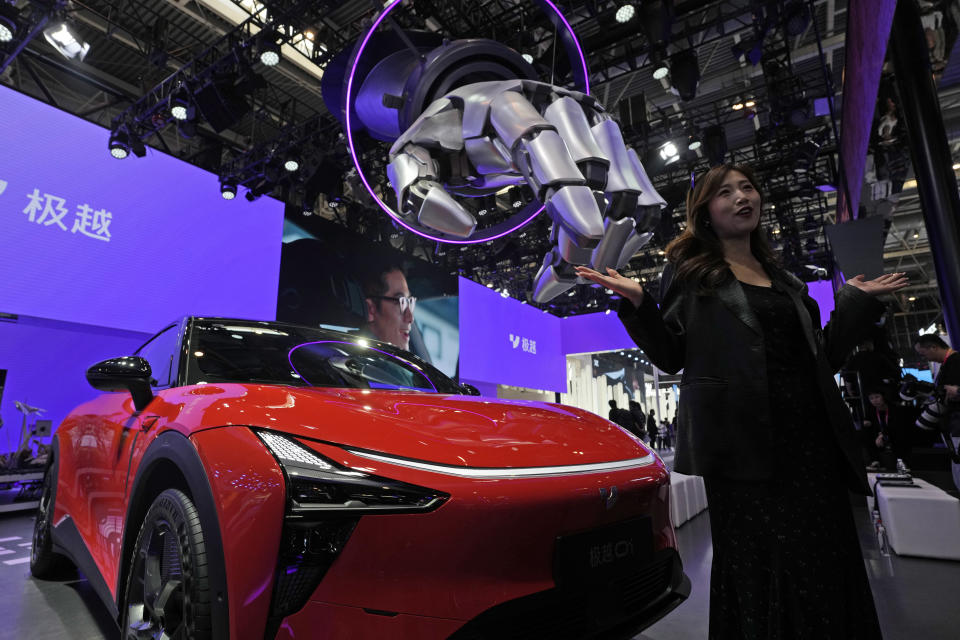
[(887, 283), (629, 289)]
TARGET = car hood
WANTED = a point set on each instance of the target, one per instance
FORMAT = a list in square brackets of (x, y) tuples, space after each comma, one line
[(455, 430)]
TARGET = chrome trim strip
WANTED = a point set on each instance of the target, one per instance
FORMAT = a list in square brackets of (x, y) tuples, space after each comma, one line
[(517, 472)]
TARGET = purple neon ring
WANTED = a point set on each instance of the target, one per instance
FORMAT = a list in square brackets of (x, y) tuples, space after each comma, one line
[(356, 161)]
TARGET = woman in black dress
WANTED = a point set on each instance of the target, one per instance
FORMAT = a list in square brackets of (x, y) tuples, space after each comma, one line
[(761, 418)]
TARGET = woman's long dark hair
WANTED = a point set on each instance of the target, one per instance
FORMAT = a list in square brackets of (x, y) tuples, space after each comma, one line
[(697, 251)]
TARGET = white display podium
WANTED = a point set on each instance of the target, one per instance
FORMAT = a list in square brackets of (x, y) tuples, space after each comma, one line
[(687, 497), (920, 521)]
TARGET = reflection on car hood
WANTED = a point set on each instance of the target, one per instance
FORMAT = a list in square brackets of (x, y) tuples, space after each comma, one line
[(453, 430)]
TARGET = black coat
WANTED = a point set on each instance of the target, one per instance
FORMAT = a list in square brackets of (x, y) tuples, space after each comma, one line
[(724, 422)]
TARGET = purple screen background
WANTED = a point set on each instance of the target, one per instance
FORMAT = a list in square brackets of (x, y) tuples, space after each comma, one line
[(822, 292), (487, 352), (594, 332), (176, 246), (46, 363)]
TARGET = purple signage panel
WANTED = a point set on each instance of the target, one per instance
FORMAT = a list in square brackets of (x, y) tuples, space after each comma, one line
[(507, 342), (593, 333), (130, 243), (822, 292)]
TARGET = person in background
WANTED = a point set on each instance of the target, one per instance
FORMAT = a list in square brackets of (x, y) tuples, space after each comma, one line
[(389, 305), (893, 425), (665, 434), (760, 416), (639, 418), (934, 349), (652, 428), (622, 417)]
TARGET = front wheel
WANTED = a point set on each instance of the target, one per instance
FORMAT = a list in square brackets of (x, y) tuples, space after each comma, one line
[(44, 563), (168, 592)]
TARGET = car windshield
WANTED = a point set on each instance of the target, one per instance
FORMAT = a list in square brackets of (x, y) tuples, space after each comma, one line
[(271, 353)]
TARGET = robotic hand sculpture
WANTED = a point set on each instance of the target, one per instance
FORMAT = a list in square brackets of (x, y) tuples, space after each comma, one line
[(475, 138)]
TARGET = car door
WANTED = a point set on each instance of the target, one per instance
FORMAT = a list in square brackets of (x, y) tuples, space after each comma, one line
[(112, 437)]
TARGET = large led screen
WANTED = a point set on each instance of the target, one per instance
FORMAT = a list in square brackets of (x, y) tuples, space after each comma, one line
[(323, 271), (127, 243), (507, 342)]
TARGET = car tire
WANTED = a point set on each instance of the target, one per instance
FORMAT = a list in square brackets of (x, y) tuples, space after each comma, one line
[(44, 562), (167, 591)]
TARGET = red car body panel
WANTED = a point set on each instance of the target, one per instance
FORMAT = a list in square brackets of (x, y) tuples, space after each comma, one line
[(454, 430), (96, 440), (491, 542), (250, 495), (422, 575)]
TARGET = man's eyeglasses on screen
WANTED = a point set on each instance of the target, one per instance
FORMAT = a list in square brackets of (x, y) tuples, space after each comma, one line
[(405, 302)]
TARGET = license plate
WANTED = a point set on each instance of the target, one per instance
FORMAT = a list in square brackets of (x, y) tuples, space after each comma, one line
[(605, 553)]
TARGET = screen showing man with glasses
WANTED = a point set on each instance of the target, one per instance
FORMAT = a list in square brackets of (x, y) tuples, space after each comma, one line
[(390, 306)]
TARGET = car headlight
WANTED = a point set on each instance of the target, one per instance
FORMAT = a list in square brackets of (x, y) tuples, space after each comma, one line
[(316, 484)]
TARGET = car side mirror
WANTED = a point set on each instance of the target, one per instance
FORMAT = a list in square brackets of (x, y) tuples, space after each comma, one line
[(130, 373), (469, 389)]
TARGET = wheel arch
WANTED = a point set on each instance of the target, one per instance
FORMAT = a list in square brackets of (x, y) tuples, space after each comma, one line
[(171, 461)]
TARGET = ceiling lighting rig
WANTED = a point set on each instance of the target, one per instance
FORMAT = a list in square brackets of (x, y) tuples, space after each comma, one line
[(19, 26), (296, 161), (222, 85)]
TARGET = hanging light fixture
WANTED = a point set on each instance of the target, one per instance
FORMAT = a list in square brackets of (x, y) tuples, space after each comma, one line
[(119, 143), (181, 104), (228, 188), (269, 49), (64, 39), (625, 13), (9, 21)]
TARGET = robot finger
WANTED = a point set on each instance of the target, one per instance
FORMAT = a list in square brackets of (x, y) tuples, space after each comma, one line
[(554, 277), (623, 188), (633, 244), (541, 156), (567, 115), (616, 234), (413, 174), (650, 202)]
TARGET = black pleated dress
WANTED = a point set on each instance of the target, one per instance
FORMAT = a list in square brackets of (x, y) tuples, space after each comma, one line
[(786, 559)]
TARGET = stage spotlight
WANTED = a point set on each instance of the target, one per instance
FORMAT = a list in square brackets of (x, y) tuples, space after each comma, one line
[(669, 152), (291, 160), (269, 49), (228, 188), (625, 13), (62, 38), (685, 74), (181, 104), (9, 19), (119, 143), (737, 105), (750, 104), (659, 59), (515, 197), (528, 58), (693, 142)]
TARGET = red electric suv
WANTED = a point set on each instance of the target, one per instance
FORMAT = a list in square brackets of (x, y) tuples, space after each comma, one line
[(262, 480)]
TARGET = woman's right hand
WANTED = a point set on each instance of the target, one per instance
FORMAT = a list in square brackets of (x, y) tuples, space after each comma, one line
[(629, 289)]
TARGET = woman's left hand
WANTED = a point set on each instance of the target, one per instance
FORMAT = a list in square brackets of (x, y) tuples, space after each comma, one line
[(887, 283)]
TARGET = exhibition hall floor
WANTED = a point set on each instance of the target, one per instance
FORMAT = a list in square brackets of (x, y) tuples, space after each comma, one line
[(916, 599)]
